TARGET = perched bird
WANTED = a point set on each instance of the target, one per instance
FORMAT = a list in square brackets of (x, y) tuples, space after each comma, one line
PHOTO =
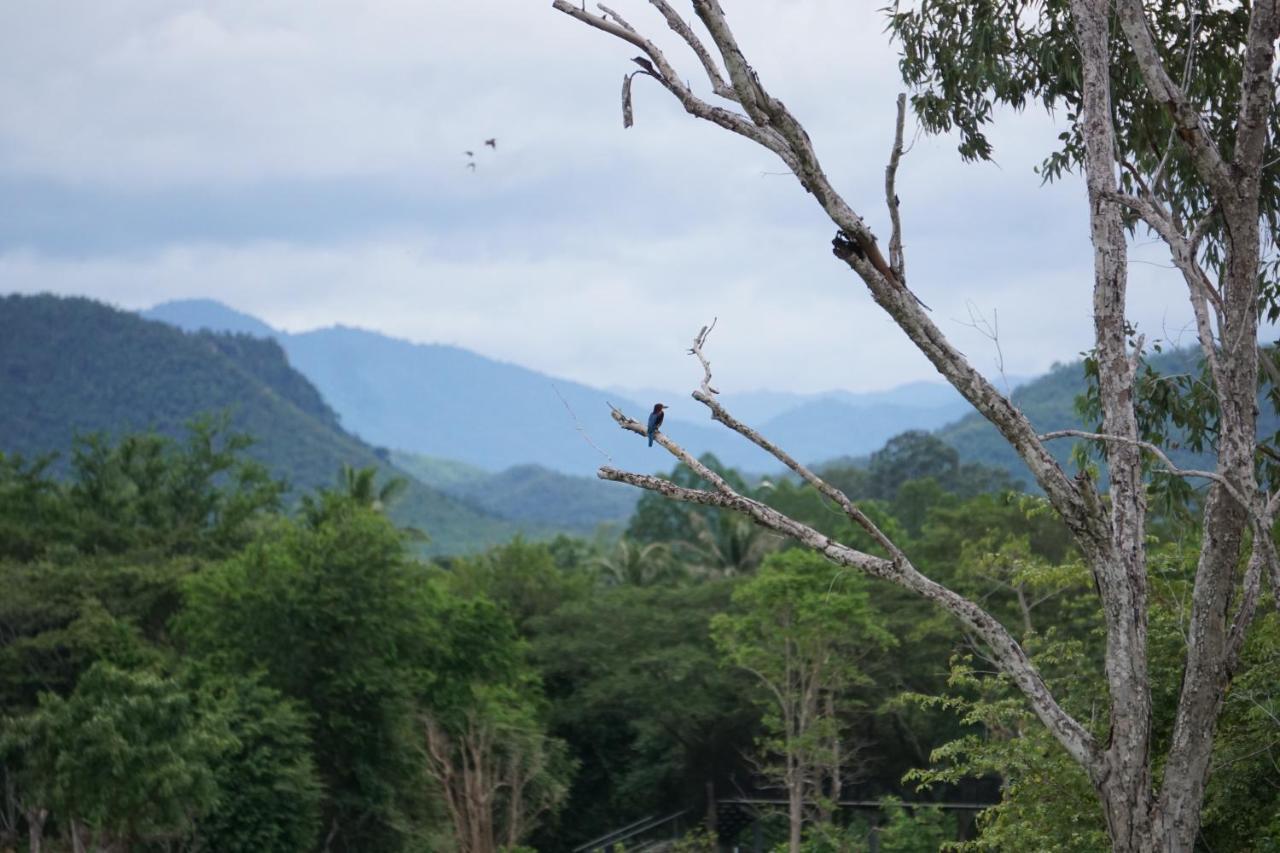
[(647, 66), (655, 421), (492, 143)]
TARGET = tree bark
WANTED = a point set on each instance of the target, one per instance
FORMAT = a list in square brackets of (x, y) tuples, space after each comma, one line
[(1123, 780), (35, 828)]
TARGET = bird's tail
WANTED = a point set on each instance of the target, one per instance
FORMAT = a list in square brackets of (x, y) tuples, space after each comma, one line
[(651, 439)]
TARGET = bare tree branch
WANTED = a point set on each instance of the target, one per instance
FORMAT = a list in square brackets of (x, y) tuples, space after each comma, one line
[(769, 123), (681, 27), (732, 121), (1013, 660), (896, 261), (899, 570), (1154, 450), (705, 395), (1186, 119)]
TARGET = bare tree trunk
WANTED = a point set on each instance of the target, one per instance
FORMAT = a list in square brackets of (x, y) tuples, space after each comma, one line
[(834, 760), (35, 828), (1124, 778), (795, 814)]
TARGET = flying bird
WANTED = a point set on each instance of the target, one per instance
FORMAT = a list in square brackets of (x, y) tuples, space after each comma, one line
[(469, 153), (655, 421), (492, 143), (471, 166)]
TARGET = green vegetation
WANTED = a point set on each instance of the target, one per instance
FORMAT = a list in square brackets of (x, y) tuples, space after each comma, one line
[(1063, 399), (184, 665), (194, 655), (528, 494), (74, 367), (187, 663)]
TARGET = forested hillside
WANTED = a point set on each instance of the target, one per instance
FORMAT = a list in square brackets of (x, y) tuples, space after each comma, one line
[(527, 493), (1050, 402), (72, 367)]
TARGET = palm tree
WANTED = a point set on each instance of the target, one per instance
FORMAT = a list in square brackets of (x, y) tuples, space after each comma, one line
[(728, 545), (633, 564), (359, 484)]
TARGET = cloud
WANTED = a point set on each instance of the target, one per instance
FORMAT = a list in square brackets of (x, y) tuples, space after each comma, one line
[(303, 161)]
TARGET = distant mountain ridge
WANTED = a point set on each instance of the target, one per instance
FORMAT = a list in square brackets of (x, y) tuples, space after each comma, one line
[(814, 428), (762, 406), (447, 402), (528, 493), (1049, 403), (71, 366)]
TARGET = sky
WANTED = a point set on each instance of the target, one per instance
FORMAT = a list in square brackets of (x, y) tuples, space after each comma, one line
[(302, 161)]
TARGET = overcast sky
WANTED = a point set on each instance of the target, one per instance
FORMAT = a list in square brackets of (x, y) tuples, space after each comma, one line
[(303, 162)]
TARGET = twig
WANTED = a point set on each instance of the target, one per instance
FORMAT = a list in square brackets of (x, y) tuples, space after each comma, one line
[(990, 331), (896, 261), (682, 29), (612, 14), (742, 125), (578, 425), (698, 341), (1159, 454)]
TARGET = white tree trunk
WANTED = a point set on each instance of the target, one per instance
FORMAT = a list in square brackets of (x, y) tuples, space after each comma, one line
[(1110, 535)]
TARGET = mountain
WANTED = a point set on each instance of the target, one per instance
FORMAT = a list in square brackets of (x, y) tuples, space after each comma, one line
[(762, 406), (196, 314), (73, 366), (528, 494), (1049, 403), (447, 402), (811, 431)]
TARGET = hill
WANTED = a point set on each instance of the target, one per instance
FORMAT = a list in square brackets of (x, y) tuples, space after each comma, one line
[(528, 494), (1049, 403), (762, 406), (74, 366), (810, 430), (449, 403), (210, 315)]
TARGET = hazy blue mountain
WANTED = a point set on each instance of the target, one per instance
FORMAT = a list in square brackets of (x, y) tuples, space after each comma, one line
[(436, 472), (1049, 403), (827, 428), (74, 366), (192, 315), (448, 402), (761, 406)]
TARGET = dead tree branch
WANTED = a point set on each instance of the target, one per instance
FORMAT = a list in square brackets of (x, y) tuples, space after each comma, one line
[(897, 569), (694, 105), (769, 123), (682, 29), (1154, 450), (896, 261)]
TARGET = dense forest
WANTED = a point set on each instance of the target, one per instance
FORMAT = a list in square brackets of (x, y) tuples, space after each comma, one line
[(188, 662)]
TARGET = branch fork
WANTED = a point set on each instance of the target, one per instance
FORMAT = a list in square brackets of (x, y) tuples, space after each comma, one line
[(896, 567)]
